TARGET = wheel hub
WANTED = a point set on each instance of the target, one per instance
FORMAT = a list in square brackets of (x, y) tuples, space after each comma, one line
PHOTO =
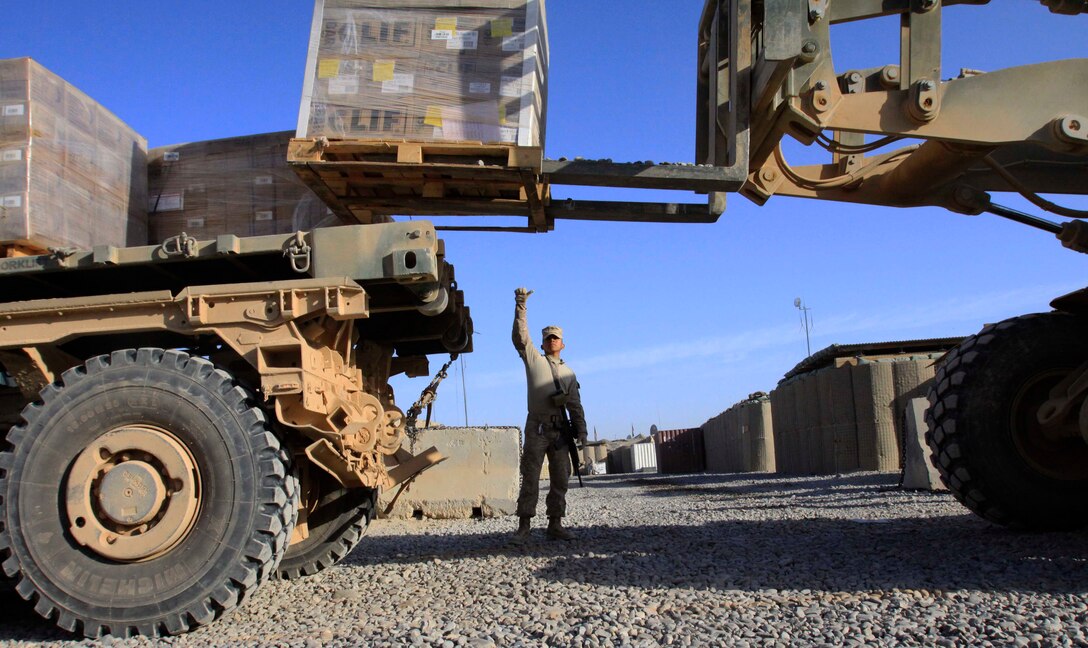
[(1049, 439), (132, 494)]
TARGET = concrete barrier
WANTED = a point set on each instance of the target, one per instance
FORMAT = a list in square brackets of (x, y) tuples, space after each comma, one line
[(919, 472), (479, 478)]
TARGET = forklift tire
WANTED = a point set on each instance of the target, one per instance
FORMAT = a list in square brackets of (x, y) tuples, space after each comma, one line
[(986, 442), (336, 525), (143, 495)]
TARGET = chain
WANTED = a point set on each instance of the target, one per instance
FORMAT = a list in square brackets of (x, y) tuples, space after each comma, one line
[(426, 399)]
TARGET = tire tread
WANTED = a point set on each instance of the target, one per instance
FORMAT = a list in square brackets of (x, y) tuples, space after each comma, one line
[(267, 542)]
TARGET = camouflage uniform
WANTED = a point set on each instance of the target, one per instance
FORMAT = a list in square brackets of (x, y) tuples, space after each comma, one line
[(543, 434)]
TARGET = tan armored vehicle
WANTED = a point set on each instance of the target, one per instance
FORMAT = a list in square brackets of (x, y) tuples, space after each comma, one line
[(189, 419)]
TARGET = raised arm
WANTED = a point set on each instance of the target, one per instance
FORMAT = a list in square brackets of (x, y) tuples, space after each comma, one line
[(521, 338)]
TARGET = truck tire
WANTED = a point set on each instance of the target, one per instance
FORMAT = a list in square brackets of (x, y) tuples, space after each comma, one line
[(143, 494), (336, 525), (985, 439)]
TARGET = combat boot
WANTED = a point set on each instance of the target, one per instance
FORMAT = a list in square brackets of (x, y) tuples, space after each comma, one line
[(525, 527), (556, 530)]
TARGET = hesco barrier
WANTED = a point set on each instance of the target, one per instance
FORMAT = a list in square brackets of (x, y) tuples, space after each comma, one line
[(849, 417), (594, 452), (479, 478), (680, 451), (741, 439)]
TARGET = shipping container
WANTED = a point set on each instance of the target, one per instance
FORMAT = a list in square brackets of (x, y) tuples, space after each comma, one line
[(680, 451), (643, 457), (631, 458)]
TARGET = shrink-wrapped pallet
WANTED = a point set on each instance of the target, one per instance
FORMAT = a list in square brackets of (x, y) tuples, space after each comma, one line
[(238, 185), (430, 71), (71, 172)]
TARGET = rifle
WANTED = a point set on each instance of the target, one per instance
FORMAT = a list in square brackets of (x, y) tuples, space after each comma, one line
[(560, 399)]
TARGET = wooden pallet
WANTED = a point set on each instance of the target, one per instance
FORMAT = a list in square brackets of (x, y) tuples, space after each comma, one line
[(11, 249), (368, 180)]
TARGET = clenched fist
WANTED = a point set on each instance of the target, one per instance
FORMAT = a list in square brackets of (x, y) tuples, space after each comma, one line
[(522, 294)]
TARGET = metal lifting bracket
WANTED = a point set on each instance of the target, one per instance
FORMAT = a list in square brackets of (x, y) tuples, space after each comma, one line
[(299, 252)]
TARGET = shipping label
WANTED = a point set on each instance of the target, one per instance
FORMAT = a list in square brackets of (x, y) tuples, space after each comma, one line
[(384, 70), (433, 117), (445, 24), (513, 43), (399, 84), (456, 130), (463, 40), (11, 201), (166, 202), (263, 216), (263, 180), (344, 86), (479, 88), (502, 27), (328, 68), (171, 156), (14, 110), (194, 222), (11, 155), (441, 34), (507, 134)]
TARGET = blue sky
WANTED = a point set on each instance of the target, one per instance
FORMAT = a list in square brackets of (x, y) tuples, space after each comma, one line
[(666, 324)]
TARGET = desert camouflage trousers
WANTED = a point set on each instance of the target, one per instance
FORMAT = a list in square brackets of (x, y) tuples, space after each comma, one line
[(543, 439)]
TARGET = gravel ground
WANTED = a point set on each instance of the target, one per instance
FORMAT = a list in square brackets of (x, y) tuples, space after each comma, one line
[(678, 560)]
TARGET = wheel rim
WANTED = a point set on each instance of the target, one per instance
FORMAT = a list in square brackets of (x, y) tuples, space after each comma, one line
[(1057, 451), (132, 494)]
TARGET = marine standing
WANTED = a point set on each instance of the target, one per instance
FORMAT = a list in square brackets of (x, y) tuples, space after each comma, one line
[(551, 385)]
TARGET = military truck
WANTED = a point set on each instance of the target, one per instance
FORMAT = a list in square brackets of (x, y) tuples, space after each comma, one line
[(175, 433), (189, 419)]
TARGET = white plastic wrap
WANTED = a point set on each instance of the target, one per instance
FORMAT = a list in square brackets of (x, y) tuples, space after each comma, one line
[(71, 172), (427, 71), (239, 185)]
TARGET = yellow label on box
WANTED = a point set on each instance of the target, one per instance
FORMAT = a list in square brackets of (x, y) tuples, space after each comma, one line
[(328, 68), (384, 70), (445, 24), (502, 115), (502, 27), (434, 116)]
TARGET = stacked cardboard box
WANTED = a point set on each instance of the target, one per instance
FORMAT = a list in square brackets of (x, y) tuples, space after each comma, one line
[(71, 173), (458, 70), (239, 185)]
